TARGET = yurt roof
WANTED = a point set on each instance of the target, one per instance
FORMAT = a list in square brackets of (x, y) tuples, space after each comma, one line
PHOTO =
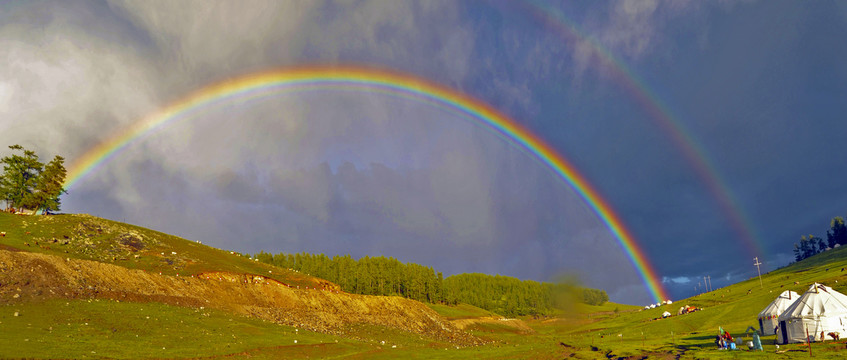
[(819, 300), (778, 305)]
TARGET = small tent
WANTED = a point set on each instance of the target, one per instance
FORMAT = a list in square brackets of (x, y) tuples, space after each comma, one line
[(819, 311), (768, 317)]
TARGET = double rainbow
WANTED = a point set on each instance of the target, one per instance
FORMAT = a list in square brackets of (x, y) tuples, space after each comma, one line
[(396, 84)]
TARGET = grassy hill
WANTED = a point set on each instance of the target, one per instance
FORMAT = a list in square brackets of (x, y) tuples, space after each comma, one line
[(91, 238), (734, 308), (40, 325)]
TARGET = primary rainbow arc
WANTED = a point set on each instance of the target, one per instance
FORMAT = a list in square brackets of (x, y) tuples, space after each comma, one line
[(401, 84)]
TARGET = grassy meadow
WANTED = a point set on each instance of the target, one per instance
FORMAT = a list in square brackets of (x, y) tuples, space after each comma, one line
[(62, 328)]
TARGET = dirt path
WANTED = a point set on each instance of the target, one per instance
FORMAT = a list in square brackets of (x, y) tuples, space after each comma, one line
[(516, 324), (29, 276)]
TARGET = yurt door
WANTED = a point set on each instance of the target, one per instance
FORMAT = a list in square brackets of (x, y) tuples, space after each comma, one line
[(784, 333)]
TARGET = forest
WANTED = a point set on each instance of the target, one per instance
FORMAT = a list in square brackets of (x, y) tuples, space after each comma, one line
[(504, 295)]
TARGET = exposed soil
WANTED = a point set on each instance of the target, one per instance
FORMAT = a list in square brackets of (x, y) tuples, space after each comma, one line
[(28, 276)]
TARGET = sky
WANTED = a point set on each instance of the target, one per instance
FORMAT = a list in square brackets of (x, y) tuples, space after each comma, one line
[(714, 130)]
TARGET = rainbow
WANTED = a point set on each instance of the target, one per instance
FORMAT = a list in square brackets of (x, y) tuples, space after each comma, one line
[(693, 152), (389, 82)]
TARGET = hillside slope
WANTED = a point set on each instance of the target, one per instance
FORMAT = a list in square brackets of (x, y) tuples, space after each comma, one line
[(81, 236), (174, 271)]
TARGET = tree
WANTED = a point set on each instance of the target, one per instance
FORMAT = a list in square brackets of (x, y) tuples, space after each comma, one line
[(805, 248), (49, 186), (821, 245), (20, 173), (797, 255), (837, 233), (815, 245)]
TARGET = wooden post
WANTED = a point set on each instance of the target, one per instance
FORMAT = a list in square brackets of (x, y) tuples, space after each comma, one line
[(808, 341)]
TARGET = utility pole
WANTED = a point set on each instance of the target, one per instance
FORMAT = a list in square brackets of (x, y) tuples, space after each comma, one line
[(757, 263), (704, 284), (710, 283)]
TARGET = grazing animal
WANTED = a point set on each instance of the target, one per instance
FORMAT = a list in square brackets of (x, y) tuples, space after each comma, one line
[(835, 335)]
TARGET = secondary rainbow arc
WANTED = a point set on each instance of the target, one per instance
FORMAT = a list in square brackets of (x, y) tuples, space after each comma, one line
[(393, 82), (693, 151)]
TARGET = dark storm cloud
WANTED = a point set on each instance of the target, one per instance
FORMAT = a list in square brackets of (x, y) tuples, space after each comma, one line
[(758, 85)]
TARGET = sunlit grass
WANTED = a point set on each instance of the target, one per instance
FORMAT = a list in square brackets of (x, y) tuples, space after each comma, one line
[(460, 311), (107, 328)]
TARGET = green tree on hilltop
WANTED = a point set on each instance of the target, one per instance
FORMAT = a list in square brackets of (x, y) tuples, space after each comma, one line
[(27, 183), (19, 176), (821, 245), (49, 186), (837, 233)]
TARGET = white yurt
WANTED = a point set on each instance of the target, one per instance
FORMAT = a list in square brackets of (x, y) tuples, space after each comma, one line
[(819, 311), (768, 317)]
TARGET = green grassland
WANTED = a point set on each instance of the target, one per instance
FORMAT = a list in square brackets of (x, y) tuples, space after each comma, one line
[(60, 328), (112, 329), (108, 328), (460, 311)]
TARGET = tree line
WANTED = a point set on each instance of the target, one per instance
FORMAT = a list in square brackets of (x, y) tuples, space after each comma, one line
[(810, 245), (27, 183), (387, 276)]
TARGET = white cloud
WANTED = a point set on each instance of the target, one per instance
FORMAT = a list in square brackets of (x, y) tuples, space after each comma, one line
[(676, 280)]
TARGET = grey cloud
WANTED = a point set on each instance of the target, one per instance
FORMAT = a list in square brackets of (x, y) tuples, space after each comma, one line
[(427, 37), (212, 38), (63, 88)]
